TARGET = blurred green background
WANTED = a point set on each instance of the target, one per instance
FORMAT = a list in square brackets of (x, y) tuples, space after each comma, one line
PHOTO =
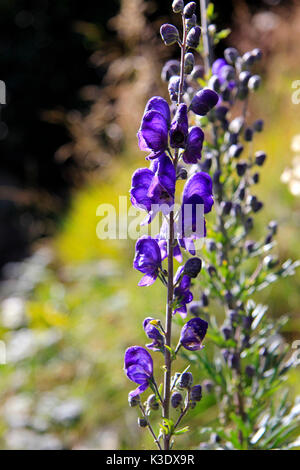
[(71, 308)]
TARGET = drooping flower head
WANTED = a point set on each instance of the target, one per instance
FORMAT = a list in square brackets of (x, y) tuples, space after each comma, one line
[(153, 188), (182, 293), (153, 333), (193, 333), (138, 366), (147, 259), (197, 196), (179, 127), (153, 132)]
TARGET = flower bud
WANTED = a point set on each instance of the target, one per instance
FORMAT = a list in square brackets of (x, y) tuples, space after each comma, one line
[(169, 34), (250, 371), (227, 73), (178, 6), (270, 262), (254, 82), (173, 87), (234, 316), (236, 125), (273, 225), (242, 92), (211, 245), (248, 134), (186, 380), (198, 72), (133, 401), (189, 9), (231, 54), (268, 239), (152, 402), (241, 168), (171, 68), (244, 78), (248, 59), (260, 158), (225, 354), (191, 22), (196, 393), (193, 404), (189, 62), (203, 101), (208, 386), (193, 267), (226, 94), (229, 298), (204, 300), (249, 245), (237, 209), (142, 422), (227, 332), (206, 164), (176, 399), (255, 204), (194, 309), (258, 125), (234, 361), (235, 150), (256, 54), (214, 83), (211, 270), (242, 193), (193, 37), (226, 207), (249, 224), (231, 138), (247, 322), (255, 178)]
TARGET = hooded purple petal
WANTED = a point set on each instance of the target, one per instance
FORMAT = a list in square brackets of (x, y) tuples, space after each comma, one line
[(153, 133), (162, 188), (153, 333), (147, 259), (182, 292), (200, 184), (217, 66), (138, 366), (194, 145), (161, 105), (141, 180), (193, 333)]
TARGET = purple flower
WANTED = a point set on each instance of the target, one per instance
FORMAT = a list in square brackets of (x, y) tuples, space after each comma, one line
[(153, 132), (224, 72), (193, 333), (217, 67), (153, 333), (138, 366), (194, 144), (173, 87), (197, 192), (179, 127), (147, 259), (153, 188), (182, 292), (203, 101)]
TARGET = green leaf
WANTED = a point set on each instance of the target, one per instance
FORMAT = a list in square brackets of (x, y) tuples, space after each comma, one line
[(182, 431)]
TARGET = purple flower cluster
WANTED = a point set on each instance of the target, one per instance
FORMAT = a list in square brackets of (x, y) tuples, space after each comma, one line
[(174, 142)]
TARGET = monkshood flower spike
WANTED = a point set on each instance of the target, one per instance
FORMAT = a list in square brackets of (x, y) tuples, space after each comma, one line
[(174, 143)]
